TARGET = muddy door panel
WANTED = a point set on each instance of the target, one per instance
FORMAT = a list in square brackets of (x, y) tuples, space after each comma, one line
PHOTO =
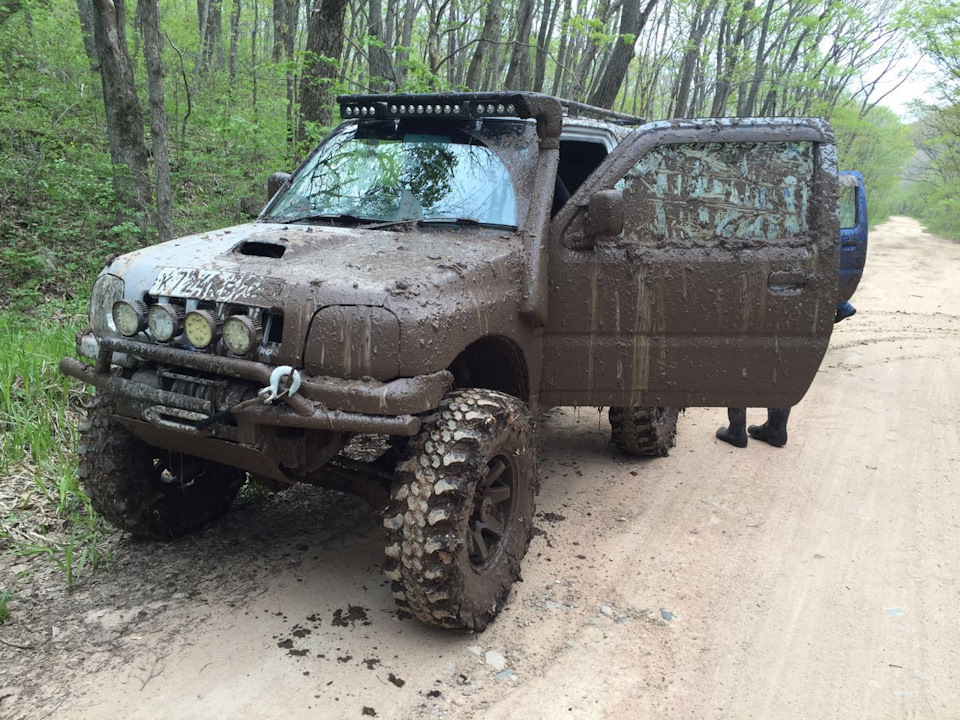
[(720, 288), (853, 232)]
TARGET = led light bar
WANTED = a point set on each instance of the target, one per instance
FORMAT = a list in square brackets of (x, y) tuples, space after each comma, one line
[(445, 105)]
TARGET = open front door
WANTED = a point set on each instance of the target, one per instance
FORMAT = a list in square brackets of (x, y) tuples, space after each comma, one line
[(853, 232), (718, 286)]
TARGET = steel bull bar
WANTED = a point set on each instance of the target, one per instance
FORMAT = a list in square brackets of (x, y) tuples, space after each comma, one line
[(322, 403)]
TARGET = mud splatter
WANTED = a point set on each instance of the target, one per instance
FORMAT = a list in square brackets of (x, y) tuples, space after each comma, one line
[(352, 615)]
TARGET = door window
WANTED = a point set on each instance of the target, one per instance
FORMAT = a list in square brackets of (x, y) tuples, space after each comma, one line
[(719, 193), (848, 207)]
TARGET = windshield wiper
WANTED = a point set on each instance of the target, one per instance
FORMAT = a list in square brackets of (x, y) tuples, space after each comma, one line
[(471, 222), (330, 217)]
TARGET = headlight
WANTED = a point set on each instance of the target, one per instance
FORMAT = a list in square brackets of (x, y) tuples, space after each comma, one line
[(201, 328), (241, 333), (165, 321), (106, 291), (130, 316)]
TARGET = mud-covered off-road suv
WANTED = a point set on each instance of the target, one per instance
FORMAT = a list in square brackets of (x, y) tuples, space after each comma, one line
[(440, 269)]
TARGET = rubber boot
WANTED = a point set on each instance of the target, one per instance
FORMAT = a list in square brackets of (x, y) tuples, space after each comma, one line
[(774, 430), (844, 310), (736, 434)]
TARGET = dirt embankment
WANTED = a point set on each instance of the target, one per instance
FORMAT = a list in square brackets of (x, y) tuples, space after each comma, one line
[(817, 580)]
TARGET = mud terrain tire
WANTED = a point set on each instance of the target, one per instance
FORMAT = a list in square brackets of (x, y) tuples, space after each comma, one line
[(461, 513), (144, 490), (644, 431)]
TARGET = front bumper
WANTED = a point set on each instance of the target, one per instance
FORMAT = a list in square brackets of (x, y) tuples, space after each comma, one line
[(322, 403)]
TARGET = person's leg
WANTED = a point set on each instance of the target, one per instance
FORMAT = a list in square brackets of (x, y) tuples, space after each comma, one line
[(736, 434), (774, 430)]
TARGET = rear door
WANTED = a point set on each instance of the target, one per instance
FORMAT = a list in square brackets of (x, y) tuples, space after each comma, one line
[(853, 232), (720, 288)]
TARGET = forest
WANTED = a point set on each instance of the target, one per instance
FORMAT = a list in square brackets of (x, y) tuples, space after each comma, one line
[(123, 124)]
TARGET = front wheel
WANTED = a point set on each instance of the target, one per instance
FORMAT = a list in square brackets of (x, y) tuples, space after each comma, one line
[(461, 513), (144, 490)]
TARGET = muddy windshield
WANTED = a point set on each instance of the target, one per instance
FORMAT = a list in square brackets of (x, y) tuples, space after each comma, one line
[(393, 172)]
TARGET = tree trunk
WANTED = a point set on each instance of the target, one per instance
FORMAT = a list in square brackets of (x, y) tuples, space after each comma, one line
[(406, 37), (379, 59), (562, 52), (690, 59), (747, 107), (733, 54), (518, 73), (150, 27), (324, 48), (85, 11), (632, 20), (289, 48), (281, 28), (543, 42), (490, 22), (234, 39), (589, 55), (253, 55), (128, 149)]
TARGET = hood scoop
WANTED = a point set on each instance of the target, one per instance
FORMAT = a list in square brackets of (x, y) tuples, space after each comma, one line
[(258, 248)]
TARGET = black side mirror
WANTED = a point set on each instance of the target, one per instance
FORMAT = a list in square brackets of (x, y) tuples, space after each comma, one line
[(276, 182), (605, 214)]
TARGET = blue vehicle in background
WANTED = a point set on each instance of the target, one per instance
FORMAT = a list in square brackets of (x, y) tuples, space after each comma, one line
[(853, 239)]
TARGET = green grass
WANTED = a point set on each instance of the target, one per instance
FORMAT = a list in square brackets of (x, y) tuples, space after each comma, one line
[(5, 596), (43, 511)]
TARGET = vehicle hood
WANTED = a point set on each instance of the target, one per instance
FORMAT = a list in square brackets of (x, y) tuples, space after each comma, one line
[(445, 287), (328, 266)]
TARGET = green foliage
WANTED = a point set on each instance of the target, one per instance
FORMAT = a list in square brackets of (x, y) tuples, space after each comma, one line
[(5, 595), (878, 145), (39, 416), (934, 193)]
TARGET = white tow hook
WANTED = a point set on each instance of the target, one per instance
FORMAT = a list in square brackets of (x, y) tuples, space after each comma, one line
[(273, 392)]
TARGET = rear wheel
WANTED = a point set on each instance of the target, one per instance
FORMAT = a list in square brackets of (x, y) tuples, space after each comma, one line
[(461, 512), (644, 431), (144, 490)]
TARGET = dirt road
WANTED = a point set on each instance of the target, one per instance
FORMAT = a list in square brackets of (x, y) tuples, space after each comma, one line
[(818, 580)]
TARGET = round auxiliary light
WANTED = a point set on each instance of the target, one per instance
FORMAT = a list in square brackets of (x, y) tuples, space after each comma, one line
[(490, 109), (419, 109), (165, 321), (403, 109), (480, 108), (411, 109), (373, 111), (393, 109), (130, 316), (241, 334), (437, 109), (500, 109), (429, 109), (201, 328), (446, 109), (363, 111), (456, 109), (511, 109), (348, 111)]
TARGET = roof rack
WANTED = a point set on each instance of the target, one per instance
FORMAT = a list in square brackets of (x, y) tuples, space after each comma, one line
[(579, 109)]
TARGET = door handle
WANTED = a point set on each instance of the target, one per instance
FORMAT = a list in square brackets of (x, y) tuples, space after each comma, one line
[(788, 282)]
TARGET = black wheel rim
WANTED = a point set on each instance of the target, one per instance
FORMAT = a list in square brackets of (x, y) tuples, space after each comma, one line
[(493, 503)]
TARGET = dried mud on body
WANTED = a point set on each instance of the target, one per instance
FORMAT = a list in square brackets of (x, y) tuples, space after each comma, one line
[(816, 580)]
